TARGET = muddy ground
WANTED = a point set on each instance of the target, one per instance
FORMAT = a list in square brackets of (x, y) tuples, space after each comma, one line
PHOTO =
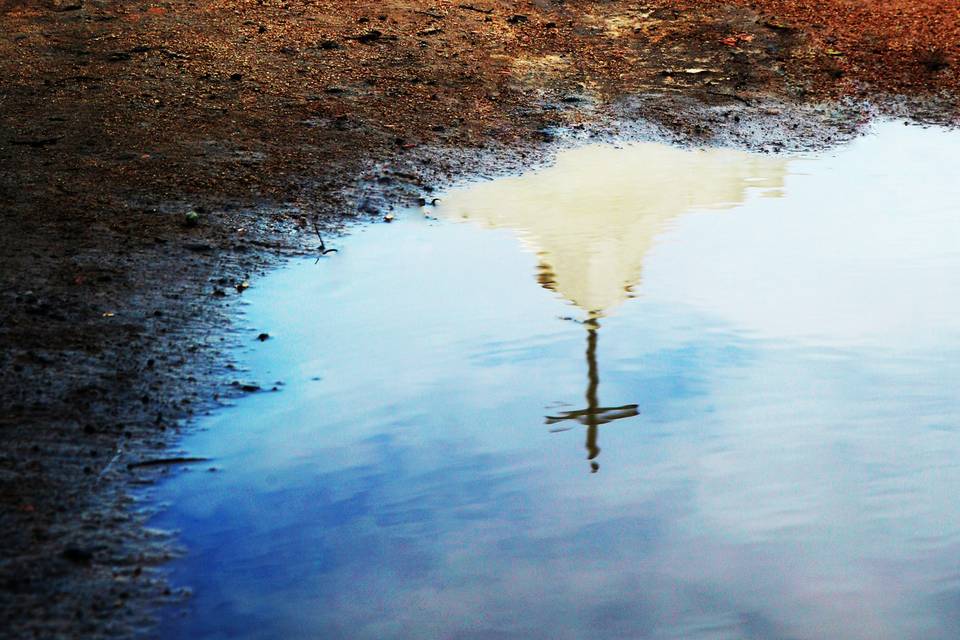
[(266, 116)]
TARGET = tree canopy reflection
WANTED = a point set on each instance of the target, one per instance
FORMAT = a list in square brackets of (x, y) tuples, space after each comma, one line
[(593, 218)]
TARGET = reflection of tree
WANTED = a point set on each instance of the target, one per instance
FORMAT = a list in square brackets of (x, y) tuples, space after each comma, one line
[(594, 216), (594, 415)]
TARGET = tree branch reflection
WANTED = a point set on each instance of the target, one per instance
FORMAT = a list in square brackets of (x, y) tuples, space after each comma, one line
[(594, 415)]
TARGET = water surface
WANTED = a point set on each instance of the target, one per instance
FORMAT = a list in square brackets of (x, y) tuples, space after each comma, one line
[(647, 393)]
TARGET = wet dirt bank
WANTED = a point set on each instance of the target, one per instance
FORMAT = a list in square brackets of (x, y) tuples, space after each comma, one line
[(267, 116)]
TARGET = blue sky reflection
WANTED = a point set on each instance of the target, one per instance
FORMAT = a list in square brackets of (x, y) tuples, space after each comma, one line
[(793, 355)]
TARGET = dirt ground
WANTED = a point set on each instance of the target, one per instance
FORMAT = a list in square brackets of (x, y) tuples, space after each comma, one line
[(265, 116)]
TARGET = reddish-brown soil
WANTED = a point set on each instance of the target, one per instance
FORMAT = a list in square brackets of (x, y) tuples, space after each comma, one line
[(892, 45), (263, 115)]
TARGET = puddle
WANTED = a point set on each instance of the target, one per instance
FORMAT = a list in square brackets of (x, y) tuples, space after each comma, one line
[(648, 393)]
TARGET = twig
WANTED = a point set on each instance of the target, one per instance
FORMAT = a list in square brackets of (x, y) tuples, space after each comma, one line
[(470, 7), (165, 461), (107, 467), (322, 248)]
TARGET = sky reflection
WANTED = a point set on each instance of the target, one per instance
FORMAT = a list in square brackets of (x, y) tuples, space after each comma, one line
[(790, 474)]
